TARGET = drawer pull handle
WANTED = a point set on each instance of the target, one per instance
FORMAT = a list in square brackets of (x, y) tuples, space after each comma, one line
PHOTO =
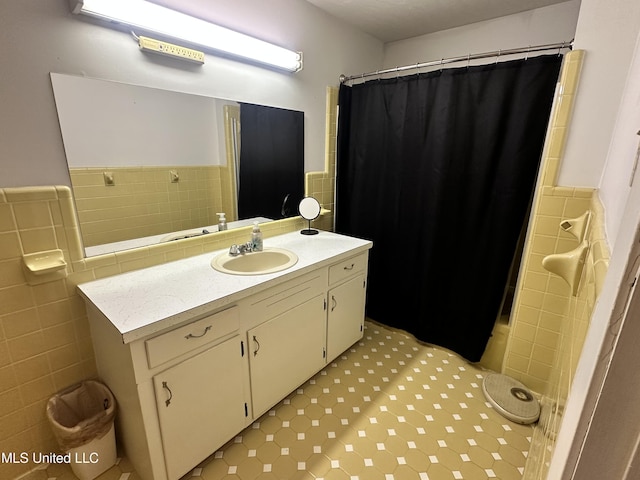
[(168, 400), (350, 267), (255, 352), (191, 335), (334, 303)]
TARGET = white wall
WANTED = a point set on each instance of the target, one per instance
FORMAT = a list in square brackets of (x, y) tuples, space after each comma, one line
[(39, 37), (624, 149), (553, 24), (137, 126), (607, 31)]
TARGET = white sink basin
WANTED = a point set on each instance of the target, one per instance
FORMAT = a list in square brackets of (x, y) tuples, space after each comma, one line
[(270, 260)]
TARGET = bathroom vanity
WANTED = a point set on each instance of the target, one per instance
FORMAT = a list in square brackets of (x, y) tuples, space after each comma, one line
[(194, 355)]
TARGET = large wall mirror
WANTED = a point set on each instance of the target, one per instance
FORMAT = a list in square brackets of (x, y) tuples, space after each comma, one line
[(149, 165)]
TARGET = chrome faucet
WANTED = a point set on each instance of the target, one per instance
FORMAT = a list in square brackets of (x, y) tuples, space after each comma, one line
[(241, 249)]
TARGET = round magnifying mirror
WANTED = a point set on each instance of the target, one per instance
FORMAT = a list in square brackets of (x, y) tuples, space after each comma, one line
[(309, 209)]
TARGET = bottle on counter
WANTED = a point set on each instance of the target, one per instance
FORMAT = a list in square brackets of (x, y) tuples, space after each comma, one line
[(256, 238), (222, 222)]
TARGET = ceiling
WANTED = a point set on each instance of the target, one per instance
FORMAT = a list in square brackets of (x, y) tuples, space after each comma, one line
[(386, 20), (391, 20)]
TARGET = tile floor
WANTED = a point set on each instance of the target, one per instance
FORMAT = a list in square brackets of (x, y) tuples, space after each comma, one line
[(389, 408)]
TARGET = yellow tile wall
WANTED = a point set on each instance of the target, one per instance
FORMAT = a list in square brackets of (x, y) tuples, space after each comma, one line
[(548, 325), (321, 185), (541, 299), (571, 332), (44, 334), (144, 201), (45, 342)]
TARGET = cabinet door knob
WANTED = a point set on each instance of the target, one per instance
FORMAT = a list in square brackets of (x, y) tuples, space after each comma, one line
[(166, 387), (191, 335), (255, 352)]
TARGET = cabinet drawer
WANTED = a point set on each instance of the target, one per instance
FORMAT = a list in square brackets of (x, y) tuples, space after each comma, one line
[(347, 268), (189, 337), (274, 301)]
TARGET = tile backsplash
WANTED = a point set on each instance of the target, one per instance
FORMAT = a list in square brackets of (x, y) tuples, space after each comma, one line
[(145, 201)]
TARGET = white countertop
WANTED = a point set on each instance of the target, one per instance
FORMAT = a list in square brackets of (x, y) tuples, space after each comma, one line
[(146, 301)]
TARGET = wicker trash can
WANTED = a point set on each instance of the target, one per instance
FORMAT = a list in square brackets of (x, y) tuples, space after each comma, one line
[(82, 418)]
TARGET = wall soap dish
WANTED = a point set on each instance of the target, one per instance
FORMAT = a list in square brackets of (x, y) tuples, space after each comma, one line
[(578, 227), (569, 265), (46, 266)]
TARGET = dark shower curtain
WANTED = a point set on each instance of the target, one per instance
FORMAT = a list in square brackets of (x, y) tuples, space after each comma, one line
[(271, 173), (438, 170)]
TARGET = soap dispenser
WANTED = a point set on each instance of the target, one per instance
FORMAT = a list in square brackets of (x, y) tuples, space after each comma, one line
[(222, 222), (256, 238)]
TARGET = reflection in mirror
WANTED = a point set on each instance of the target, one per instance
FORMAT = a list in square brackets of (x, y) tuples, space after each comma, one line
[(271, 172), (309, 209), (150, 165)]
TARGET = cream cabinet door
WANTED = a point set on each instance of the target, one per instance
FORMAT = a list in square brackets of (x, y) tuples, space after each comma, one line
[(285, 351), (200, 405), (345, 322)]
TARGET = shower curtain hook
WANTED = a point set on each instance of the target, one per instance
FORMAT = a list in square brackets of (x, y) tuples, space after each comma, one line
[(418, 68), (498, 57), (560, 48), (526, 57), (397, 72), (441, 63), (468, 60)]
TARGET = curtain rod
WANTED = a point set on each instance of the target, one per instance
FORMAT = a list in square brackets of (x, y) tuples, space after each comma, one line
[(465, 58)]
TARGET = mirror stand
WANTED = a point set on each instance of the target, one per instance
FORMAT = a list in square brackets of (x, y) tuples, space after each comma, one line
[(309, 231), (309, 209)]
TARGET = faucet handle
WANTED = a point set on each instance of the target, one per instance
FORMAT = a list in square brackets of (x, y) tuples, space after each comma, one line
[(234, 250)]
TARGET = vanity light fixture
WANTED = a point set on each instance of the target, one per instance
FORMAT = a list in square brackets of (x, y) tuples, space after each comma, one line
[(155, 18)]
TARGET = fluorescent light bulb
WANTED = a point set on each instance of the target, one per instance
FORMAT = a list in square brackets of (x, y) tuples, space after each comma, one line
[(158, 19)]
